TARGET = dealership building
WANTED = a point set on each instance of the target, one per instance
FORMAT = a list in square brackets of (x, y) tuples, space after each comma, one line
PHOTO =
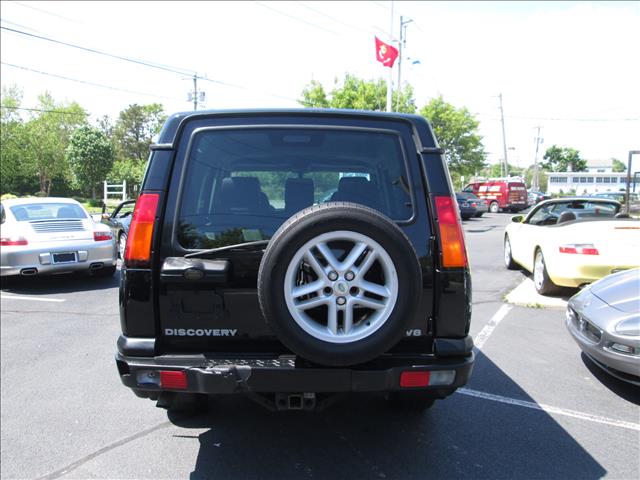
[(599, 177)]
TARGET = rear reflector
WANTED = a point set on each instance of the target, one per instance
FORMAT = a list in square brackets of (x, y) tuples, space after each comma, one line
[(579, 249), (138, 249), (173, 379), (454, 253), (13, 241), (414, 379), (102, 236)]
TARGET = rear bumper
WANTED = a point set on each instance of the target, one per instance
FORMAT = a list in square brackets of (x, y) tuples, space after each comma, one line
[(13, 260), (570, 272), (286, 374)]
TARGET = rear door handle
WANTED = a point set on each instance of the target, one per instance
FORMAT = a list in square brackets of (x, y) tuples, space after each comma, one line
[(180, 269)]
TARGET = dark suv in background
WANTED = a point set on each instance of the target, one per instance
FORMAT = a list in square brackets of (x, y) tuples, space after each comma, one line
[(294, 255)]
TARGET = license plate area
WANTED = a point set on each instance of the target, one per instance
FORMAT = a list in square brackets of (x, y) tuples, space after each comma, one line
[(64, 257)]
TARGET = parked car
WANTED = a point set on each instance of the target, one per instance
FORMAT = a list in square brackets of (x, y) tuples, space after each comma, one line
[(119, 221), (467, 209), (534, 197), (53, 235), (604, 320), (634, 200), (501, 194), (571, 242), (237, 280), (476, 202)]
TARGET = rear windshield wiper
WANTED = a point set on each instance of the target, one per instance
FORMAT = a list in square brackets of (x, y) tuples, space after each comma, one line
[(257, 245)]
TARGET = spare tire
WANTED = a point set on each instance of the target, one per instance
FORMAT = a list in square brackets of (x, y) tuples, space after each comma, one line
[(339, 283)]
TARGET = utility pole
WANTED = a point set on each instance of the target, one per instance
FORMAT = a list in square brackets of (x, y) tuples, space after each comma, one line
[(390, 79), (403, 42), (539, 140), (504, 140), (195, 95)]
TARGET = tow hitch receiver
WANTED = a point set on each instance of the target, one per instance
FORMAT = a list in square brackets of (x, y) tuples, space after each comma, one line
[(296, 401)]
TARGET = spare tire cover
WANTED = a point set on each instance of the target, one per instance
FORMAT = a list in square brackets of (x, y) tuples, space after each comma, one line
[(339, 283)]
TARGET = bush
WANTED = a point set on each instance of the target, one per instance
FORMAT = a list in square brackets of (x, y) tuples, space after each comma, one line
[(7, 196)]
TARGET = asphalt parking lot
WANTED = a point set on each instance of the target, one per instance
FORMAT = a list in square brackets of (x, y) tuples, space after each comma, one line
[(535, 407)]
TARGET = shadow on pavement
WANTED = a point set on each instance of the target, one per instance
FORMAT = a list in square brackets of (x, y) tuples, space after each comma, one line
[(362, 437), (624, 390), (62, 283)]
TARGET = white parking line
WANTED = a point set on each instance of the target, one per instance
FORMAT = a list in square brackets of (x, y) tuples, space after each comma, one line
[(488, 329), (33, 299), (549, 409)]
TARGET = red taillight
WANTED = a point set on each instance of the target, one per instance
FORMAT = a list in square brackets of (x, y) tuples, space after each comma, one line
[(579, 249), (414, 379), (173, 379), (138, 250), (102, 236), (454, 253), (13, 241)]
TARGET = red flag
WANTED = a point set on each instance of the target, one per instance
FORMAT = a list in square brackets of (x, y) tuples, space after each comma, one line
[(385, 54)]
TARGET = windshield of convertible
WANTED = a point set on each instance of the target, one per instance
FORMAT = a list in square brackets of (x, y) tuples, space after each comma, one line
[(560, 212), (241, 185)]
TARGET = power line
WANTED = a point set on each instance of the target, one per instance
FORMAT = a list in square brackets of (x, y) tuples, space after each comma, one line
[(98, 52), (140, 62), (296, 18), (62, 112), (46, 12), (556, 119), (87, 82), (332, 18)]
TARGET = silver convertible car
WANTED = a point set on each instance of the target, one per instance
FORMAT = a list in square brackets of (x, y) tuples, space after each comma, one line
[(604, 319), (53, 235)]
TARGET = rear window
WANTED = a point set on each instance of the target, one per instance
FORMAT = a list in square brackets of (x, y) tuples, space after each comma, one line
[(47, 211), (241, 184)]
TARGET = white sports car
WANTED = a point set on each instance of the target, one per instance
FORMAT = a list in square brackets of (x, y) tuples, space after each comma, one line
[(571, 242), (53, 235)]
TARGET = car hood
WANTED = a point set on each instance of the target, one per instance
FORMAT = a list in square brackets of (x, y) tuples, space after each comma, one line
[(620, 290)]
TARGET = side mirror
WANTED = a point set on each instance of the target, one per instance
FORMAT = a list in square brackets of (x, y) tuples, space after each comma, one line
[(517, 219)]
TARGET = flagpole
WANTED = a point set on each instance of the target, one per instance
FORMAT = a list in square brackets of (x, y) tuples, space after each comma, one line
[(390, 79)]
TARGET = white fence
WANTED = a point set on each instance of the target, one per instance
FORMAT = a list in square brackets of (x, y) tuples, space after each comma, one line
[(119, 189)]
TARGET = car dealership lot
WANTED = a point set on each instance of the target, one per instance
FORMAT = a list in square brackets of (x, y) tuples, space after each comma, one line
[(535, 408)]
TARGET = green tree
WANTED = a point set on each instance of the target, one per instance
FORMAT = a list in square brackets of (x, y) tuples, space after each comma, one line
[(132, 134), (357, 94), (495, 170), (14, 176), (457, 132), (135, 128), (559, 159), (617, 165), (90, 156), (47, 138)]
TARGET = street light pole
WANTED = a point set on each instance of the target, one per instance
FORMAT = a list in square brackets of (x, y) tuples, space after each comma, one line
[(504, 139), (390, 80), (403, 41), (626, 195), (535, 161)]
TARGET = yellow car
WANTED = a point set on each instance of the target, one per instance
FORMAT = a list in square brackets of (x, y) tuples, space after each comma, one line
[(570, 242)]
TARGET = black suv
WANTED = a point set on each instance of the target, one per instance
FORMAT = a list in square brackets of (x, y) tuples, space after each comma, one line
[(293, 255)]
